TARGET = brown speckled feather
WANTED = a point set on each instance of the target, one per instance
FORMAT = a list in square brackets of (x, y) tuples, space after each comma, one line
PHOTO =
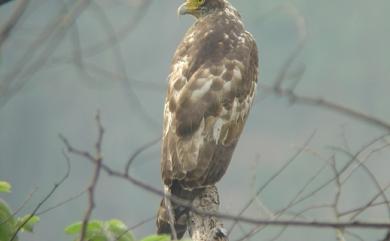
[(211, 88)]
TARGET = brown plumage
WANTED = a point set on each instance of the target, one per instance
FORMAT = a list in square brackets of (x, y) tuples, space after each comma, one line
[(211, 88)]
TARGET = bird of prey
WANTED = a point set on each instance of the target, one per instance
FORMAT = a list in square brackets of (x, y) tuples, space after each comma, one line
[(210, 91)]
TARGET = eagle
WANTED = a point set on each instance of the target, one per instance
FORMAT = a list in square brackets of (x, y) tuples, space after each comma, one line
[(211, 88)]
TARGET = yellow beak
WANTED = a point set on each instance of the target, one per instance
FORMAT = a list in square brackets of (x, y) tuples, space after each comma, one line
[(183, 9)]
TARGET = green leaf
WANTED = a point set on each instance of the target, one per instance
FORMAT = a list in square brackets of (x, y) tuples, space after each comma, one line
[(102, 231), (116, 225), (74, 228), (5, 186), (7, 227), (118, 229), (99, 238), (157, 238), (125, 237), (29, 226), (94, 226), (95, 231)]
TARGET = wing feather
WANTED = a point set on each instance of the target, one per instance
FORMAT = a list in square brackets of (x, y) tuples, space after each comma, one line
[(211, 89)]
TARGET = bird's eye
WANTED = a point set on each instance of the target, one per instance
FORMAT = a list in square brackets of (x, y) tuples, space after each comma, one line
[(200, 2)]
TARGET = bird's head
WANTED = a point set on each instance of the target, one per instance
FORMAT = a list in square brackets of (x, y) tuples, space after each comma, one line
[(200, 8)]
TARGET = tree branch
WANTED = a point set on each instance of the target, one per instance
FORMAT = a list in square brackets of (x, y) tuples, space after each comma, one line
[(36, 209), (326, 104), (6, 29), (253, 221)]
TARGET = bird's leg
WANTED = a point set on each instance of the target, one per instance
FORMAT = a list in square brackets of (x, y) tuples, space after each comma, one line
[(168, 205)]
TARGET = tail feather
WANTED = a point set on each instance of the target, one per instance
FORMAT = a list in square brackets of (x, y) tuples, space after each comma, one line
[(163, 222), (179, 212)]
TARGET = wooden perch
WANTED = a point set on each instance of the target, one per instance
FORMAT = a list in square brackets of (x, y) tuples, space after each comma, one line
[(203, 227)]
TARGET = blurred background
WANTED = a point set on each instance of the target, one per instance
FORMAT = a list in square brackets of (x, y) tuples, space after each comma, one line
[(63, 61)]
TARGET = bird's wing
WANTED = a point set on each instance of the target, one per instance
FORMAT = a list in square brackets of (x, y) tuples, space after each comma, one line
[(205, 113)]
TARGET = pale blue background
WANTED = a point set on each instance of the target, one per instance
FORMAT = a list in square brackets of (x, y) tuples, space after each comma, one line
[(347, 60)]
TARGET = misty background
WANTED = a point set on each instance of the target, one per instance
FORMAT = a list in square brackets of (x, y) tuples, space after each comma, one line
[(345, 59)]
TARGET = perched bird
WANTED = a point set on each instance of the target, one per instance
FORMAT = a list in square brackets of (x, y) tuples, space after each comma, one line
[(211, 88)]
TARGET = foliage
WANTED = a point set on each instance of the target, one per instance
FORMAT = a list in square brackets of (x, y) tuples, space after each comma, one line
[(27, 222), (5, 186), (97, 230), (157, 238), (102, 231), (9, 224), (7, 221), (112, 230)]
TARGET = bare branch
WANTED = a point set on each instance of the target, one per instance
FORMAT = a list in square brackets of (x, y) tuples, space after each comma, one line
[(20, 208), (369, 204), (339, 231), (4, 2), (139, 151), (98, 159), (52, 36), (6, 29), (137, 225), (60, 204), (372, 177), (342, 170), (326, 104), (275, 175), (120, 64), (352, 234), (112, 39), (316, 224), (296, 200), (36, 209), (236, 218)]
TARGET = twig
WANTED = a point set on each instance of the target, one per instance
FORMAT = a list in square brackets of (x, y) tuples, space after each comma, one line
[(4, 1), (277, 89), (120, 64), (92, 186), (296, 201), (139, 151), (312, 101), (373, 178), (36, 209), (171, 216), (257, 229), (6, 29), (339, 231), (20, 208), (275, 175), (50, 38), (139, 224), (359, 163), (369, 204), (343, 169), (235, 218), (61, 203), (156, 191), (352, 234)]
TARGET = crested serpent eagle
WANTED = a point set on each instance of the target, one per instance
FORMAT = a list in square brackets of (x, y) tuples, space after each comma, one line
[(211, 88)]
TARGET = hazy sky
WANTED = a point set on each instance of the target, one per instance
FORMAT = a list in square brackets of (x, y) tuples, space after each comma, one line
[(346, 59)]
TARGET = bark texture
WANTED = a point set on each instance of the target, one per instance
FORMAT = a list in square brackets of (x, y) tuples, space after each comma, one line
[(206, 228)]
